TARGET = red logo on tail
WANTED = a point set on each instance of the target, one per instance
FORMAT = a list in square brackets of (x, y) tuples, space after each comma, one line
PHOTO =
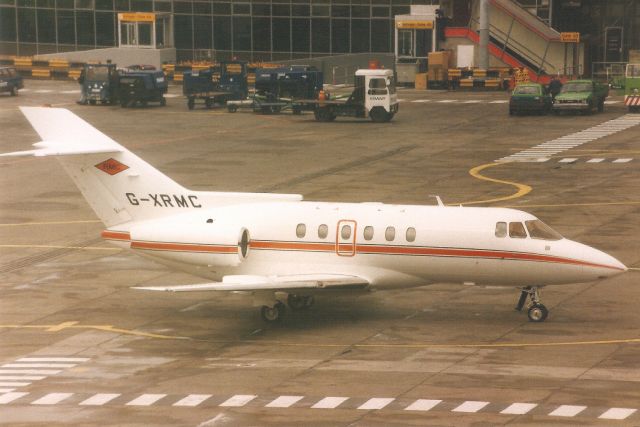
[(112, 166)]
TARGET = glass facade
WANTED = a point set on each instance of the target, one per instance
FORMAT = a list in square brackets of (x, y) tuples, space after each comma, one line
[(257, 30)]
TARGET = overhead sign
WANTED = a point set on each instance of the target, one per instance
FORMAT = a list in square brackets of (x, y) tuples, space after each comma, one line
[(137, 17), (415, 25), (570, 37)]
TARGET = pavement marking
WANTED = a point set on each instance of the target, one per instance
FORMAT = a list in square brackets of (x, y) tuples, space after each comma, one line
[(283, 401), (6, 390), (10, 397), (145, 400), (70, 91), (192, 400), (446, 101), (13, 384), (611, 102), (53, 359), (329, 402), (238, 400), (421, 100), (423, 405), (596, 160), (89, 248), (44, 91), (30, 371), (567, 411), (21, 377), (99, 399), (22, 224), (376, 403), (52, 399), (617, 414), (523, 189), (470, 406), (627, 160), (472, 101), (518, 408), (499, 102), (577, 138), (568, 160), (39, 365)]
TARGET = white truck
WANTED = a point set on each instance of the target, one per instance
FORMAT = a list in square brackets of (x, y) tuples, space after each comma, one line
[(374, 96)]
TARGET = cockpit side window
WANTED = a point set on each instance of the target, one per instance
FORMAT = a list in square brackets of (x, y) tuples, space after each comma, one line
[(540, 230), (501, 229), (516, 230)]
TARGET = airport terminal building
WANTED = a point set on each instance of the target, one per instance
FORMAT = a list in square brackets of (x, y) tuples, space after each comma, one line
[(279, 30)]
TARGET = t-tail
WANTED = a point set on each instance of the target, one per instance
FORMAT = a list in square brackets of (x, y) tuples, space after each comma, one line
[(118, 185)]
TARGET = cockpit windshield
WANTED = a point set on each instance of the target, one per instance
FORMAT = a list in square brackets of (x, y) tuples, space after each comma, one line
[(540, 230)]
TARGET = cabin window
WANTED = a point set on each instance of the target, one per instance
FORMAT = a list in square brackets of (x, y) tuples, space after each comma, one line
[(501, 229), (516, 230), (411, 234), (301, 230), (540, 230), (368, 232), (390, 234), (345, 232), (323, 231)]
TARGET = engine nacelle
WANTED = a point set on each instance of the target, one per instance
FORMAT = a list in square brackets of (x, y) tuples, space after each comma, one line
[(202, 244)]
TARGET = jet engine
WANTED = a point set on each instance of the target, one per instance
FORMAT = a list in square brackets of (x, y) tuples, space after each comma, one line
[(216, 245)]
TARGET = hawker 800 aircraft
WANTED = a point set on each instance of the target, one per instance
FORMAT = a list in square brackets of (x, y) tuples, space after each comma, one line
[(277, 247)]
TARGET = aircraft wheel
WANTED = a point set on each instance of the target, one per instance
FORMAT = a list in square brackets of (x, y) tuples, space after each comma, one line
[(191, 103), (163, 102), (272, 314), (308, 301), (14, 91), (232, 108), (538, 313), (296, 302)]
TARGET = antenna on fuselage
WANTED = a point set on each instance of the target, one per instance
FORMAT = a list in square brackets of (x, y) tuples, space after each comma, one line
[(438, 199)]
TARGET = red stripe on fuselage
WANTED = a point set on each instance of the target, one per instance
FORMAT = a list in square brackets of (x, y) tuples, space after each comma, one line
[(184, 247)]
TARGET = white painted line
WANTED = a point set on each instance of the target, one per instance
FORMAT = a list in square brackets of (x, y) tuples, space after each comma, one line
[(25, 90), (52, 399), (611, 102), (470, 406), (6, 390), (53, 359), (401, 100), (171, 95), (10, 397), (567, 411), (21, 377), (423, 405), (30, 371), (283, 401), (518, 408), (70, 91), (145, 399), (330, 402), (39, 365), (44, 91), (568, 160), (238, 400), (376, 403), (192, 400), (421, 100), (13, 384), (99, 399), (446, 101), (498, 102), (617, 413), (473, 101), (621, 160), (596, 160)]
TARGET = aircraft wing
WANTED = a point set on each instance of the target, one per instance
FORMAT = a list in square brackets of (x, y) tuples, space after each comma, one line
[(270, 283)]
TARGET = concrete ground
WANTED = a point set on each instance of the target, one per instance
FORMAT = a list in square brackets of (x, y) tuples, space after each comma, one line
[(79, 347)]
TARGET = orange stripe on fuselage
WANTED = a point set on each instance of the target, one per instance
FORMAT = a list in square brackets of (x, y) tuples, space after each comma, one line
[(115, 235), (183, 247)]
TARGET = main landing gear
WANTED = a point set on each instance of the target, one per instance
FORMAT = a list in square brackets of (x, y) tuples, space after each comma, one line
[(274, 313), (536, 312)]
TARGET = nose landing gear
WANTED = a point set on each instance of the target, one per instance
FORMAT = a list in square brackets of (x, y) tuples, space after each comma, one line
[(536, 311)]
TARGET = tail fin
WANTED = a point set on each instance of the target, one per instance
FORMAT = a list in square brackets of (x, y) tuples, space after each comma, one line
[(117, 184)]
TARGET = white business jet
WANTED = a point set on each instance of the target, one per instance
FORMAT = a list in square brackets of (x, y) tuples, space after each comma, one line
[(277, 247)]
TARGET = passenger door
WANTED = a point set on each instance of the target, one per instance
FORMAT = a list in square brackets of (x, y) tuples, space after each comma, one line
[(346, 237)]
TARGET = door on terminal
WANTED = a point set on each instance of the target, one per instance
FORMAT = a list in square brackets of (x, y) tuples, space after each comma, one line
[(346, 237)]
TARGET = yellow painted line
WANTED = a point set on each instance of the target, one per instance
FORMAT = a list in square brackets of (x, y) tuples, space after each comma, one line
[(90, 248), (22, 224), (523, 189), (112, 329)]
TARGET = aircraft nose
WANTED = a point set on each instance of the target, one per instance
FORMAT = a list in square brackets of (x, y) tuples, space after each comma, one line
[(603, 264)]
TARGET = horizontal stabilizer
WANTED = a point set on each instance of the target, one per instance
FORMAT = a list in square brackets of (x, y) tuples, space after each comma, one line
[(267, 283), (54, 148)]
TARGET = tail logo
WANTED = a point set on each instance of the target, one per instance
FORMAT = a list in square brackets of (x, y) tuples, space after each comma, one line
[(112, 166)]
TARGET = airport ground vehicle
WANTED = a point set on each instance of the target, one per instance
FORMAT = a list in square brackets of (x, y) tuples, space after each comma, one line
[(529, 98), (99, 84), (277, 89), (216, 85), (581, 95), (632, 87), (142, 87), (10, 80), (374, 96)]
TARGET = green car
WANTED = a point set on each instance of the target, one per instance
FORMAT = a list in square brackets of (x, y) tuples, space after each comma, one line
[(581, 95), (529, 98)]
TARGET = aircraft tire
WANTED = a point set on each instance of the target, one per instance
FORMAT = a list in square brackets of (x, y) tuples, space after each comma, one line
[(537, 313), (273, 314), (296, 302)]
